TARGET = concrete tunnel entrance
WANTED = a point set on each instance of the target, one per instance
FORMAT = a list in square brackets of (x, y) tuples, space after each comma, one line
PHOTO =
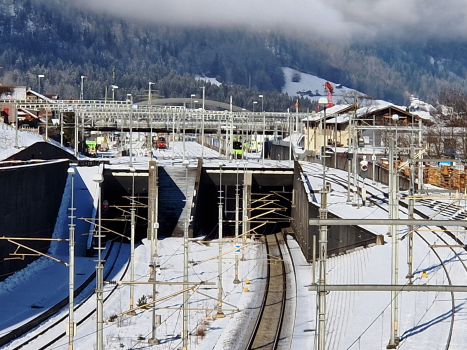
[(267, 202)]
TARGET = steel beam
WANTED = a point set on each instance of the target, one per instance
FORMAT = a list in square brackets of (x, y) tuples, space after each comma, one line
[(385, 222), (385, 288)]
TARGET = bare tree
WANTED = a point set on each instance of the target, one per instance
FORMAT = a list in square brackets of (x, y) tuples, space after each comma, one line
[(452, 119)]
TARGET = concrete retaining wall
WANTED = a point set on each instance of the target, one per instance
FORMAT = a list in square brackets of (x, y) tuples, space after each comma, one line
[(30, 195)]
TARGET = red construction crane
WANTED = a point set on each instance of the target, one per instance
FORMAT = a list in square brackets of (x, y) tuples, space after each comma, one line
[(329, 90)]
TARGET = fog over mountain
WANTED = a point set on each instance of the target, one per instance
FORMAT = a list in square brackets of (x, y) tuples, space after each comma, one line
[(341, 19), (388, 50)]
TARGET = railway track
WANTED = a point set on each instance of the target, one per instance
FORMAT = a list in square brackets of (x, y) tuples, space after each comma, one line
[(58, 324), (377, 193), (268, 331)]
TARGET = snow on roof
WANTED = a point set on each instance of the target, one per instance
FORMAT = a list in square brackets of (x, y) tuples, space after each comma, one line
[(330, 112), (42, 97), (420, 108)]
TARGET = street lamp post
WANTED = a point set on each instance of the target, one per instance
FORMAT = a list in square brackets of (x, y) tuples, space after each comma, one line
[(81, 95), (71, 324), (150, 93), (39, 76), (98, 179), (253, 121), (264, 129), (150, 118), (114, 87), (202, 125), (191, 102)]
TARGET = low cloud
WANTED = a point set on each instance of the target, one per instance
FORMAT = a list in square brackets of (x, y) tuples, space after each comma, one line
[(346, 19)]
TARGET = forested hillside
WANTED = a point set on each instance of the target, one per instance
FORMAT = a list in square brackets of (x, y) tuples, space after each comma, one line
[(63, 42)]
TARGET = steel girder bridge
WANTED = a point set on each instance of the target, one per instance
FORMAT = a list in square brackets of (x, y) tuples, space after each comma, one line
[(124, 116)]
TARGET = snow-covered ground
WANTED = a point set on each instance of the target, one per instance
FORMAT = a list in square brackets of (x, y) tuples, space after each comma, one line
[(9, 138), (355, 320), (311, 83), (361, 320), (45, 281)]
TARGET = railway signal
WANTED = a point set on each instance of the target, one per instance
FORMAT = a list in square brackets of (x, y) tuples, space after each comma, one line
[(364, 164)]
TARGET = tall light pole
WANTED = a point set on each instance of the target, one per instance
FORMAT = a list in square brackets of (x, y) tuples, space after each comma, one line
[(254, 103), (202, 125), (150, 93), (40, 76), (264, 129), (191, 101), (98, 179), (81, 95), (71, 322), (253, 122), (219, 267), (150, 116), (114, 87)]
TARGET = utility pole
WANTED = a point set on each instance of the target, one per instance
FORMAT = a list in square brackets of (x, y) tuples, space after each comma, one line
[(153, 206), (219, 266), (71, 322), (231, 130), (394, 214), (244, 209), (154, 225), (47, 124), (185, 264), (98, 179), (237, 209), (264, 130), (410, 275), (132, 238), (152, 278), (323, 246), (131, 130), (202, 125), (350, 158), (355, 165), (184, 119)]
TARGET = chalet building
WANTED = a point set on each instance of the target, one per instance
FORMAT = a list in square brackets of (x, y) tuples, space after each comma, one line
[(330, 127), (9, 111)]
